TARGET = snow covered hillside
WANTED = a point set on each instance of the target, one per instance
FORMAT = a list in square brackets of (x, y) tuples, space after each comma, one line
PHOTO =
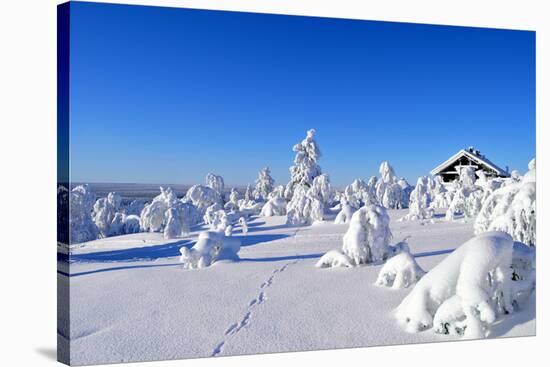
[(132, 300)]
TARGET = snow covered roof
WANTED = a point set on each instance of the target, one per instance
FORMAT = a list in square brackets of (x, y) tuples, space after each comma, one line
[(475, 156)]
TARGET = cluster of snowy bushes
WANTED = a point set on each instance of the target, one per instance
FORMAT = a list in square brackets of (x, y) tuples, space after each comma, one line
[(90, 219)]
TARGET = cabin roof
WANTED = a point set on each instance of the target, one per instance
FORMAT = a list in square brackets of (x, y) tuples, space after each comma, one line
[(478, 158)]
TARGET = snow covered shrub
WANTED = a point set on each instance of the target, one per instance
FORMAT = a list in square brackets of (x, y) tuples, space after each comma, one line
[(334, 258), (274, 206), (322, 190), (400, 271), (419, 206), (83, 228), (277, 191), (179, 218), (366, 240), (358, 193), (210, 247), (406, 191), (440, 196), (466, 292), (233, 203), (305, 167), (512, 209), (345, 213), (388, 191), (202, 197), (104, 213), (211, 213), (153, 214), (132, 224), (166, 213), (135, 207), (368, 236), (215, 182), (305, 207), (264, 184)]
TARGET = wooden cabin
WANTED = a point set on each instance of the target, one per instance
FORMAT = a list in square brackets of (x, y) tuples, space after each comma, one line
[(471, 157)]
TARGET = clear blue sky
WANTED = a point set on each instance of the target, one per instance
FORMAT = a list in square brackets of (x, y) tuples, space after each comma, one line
[(163, 95)]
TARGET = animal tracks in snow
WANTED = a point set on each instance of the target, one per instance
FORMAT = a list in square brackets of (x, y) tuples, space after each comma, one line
[(247, 317)]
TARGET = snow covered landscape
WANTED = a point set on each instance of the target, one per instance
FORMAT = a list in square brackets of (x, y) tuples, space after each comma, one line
[(301, 265)]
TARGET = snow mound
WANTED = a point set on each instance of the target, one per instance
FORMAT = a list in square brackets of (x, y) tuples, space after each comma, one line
[(211, 246), (334, 258), (466, 292), (400, 271)]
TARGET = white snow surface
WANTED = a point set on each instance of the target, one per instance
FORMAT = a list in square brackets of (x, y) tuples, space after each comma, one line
[(132, 300)]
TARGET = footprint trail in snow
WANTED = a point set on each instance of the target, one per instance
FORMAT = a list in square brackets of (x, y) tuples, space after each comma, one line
[(255, 302)]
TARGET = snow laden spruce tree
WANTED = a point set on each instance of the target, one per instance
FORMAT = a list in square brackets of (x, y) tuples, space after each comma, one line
[(305, 167), (308, 191), (105, 210), (264, 185), (388, 190)]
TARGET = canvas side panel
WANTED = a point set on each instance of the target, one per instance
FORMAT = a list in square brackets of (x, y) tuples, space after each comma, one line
[(63, 187)]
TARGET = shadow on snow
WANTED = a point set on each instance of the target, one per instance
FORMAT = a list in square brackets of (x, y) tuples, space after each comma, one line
[(136, 253)]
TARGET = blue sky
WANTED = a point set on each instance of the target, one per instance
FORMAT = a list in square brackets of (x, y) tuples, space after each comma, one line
[(164, 95)]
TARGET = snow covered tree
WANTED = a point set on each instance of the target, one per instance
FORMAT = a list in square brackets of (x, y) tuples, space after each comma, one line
[(82, 226), (367, 240), (322, 189), (388, 190), (264, 184), (467, 291), (215, 182), (202, 197), (419, 206), (368, 236), (345, 213), (104, 213), (468, 196), (406, 191), (305, 207), (305, 167), (233, 203), (179, 218), (166, 213), (512, 209), (274, 206), (440, 196)]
